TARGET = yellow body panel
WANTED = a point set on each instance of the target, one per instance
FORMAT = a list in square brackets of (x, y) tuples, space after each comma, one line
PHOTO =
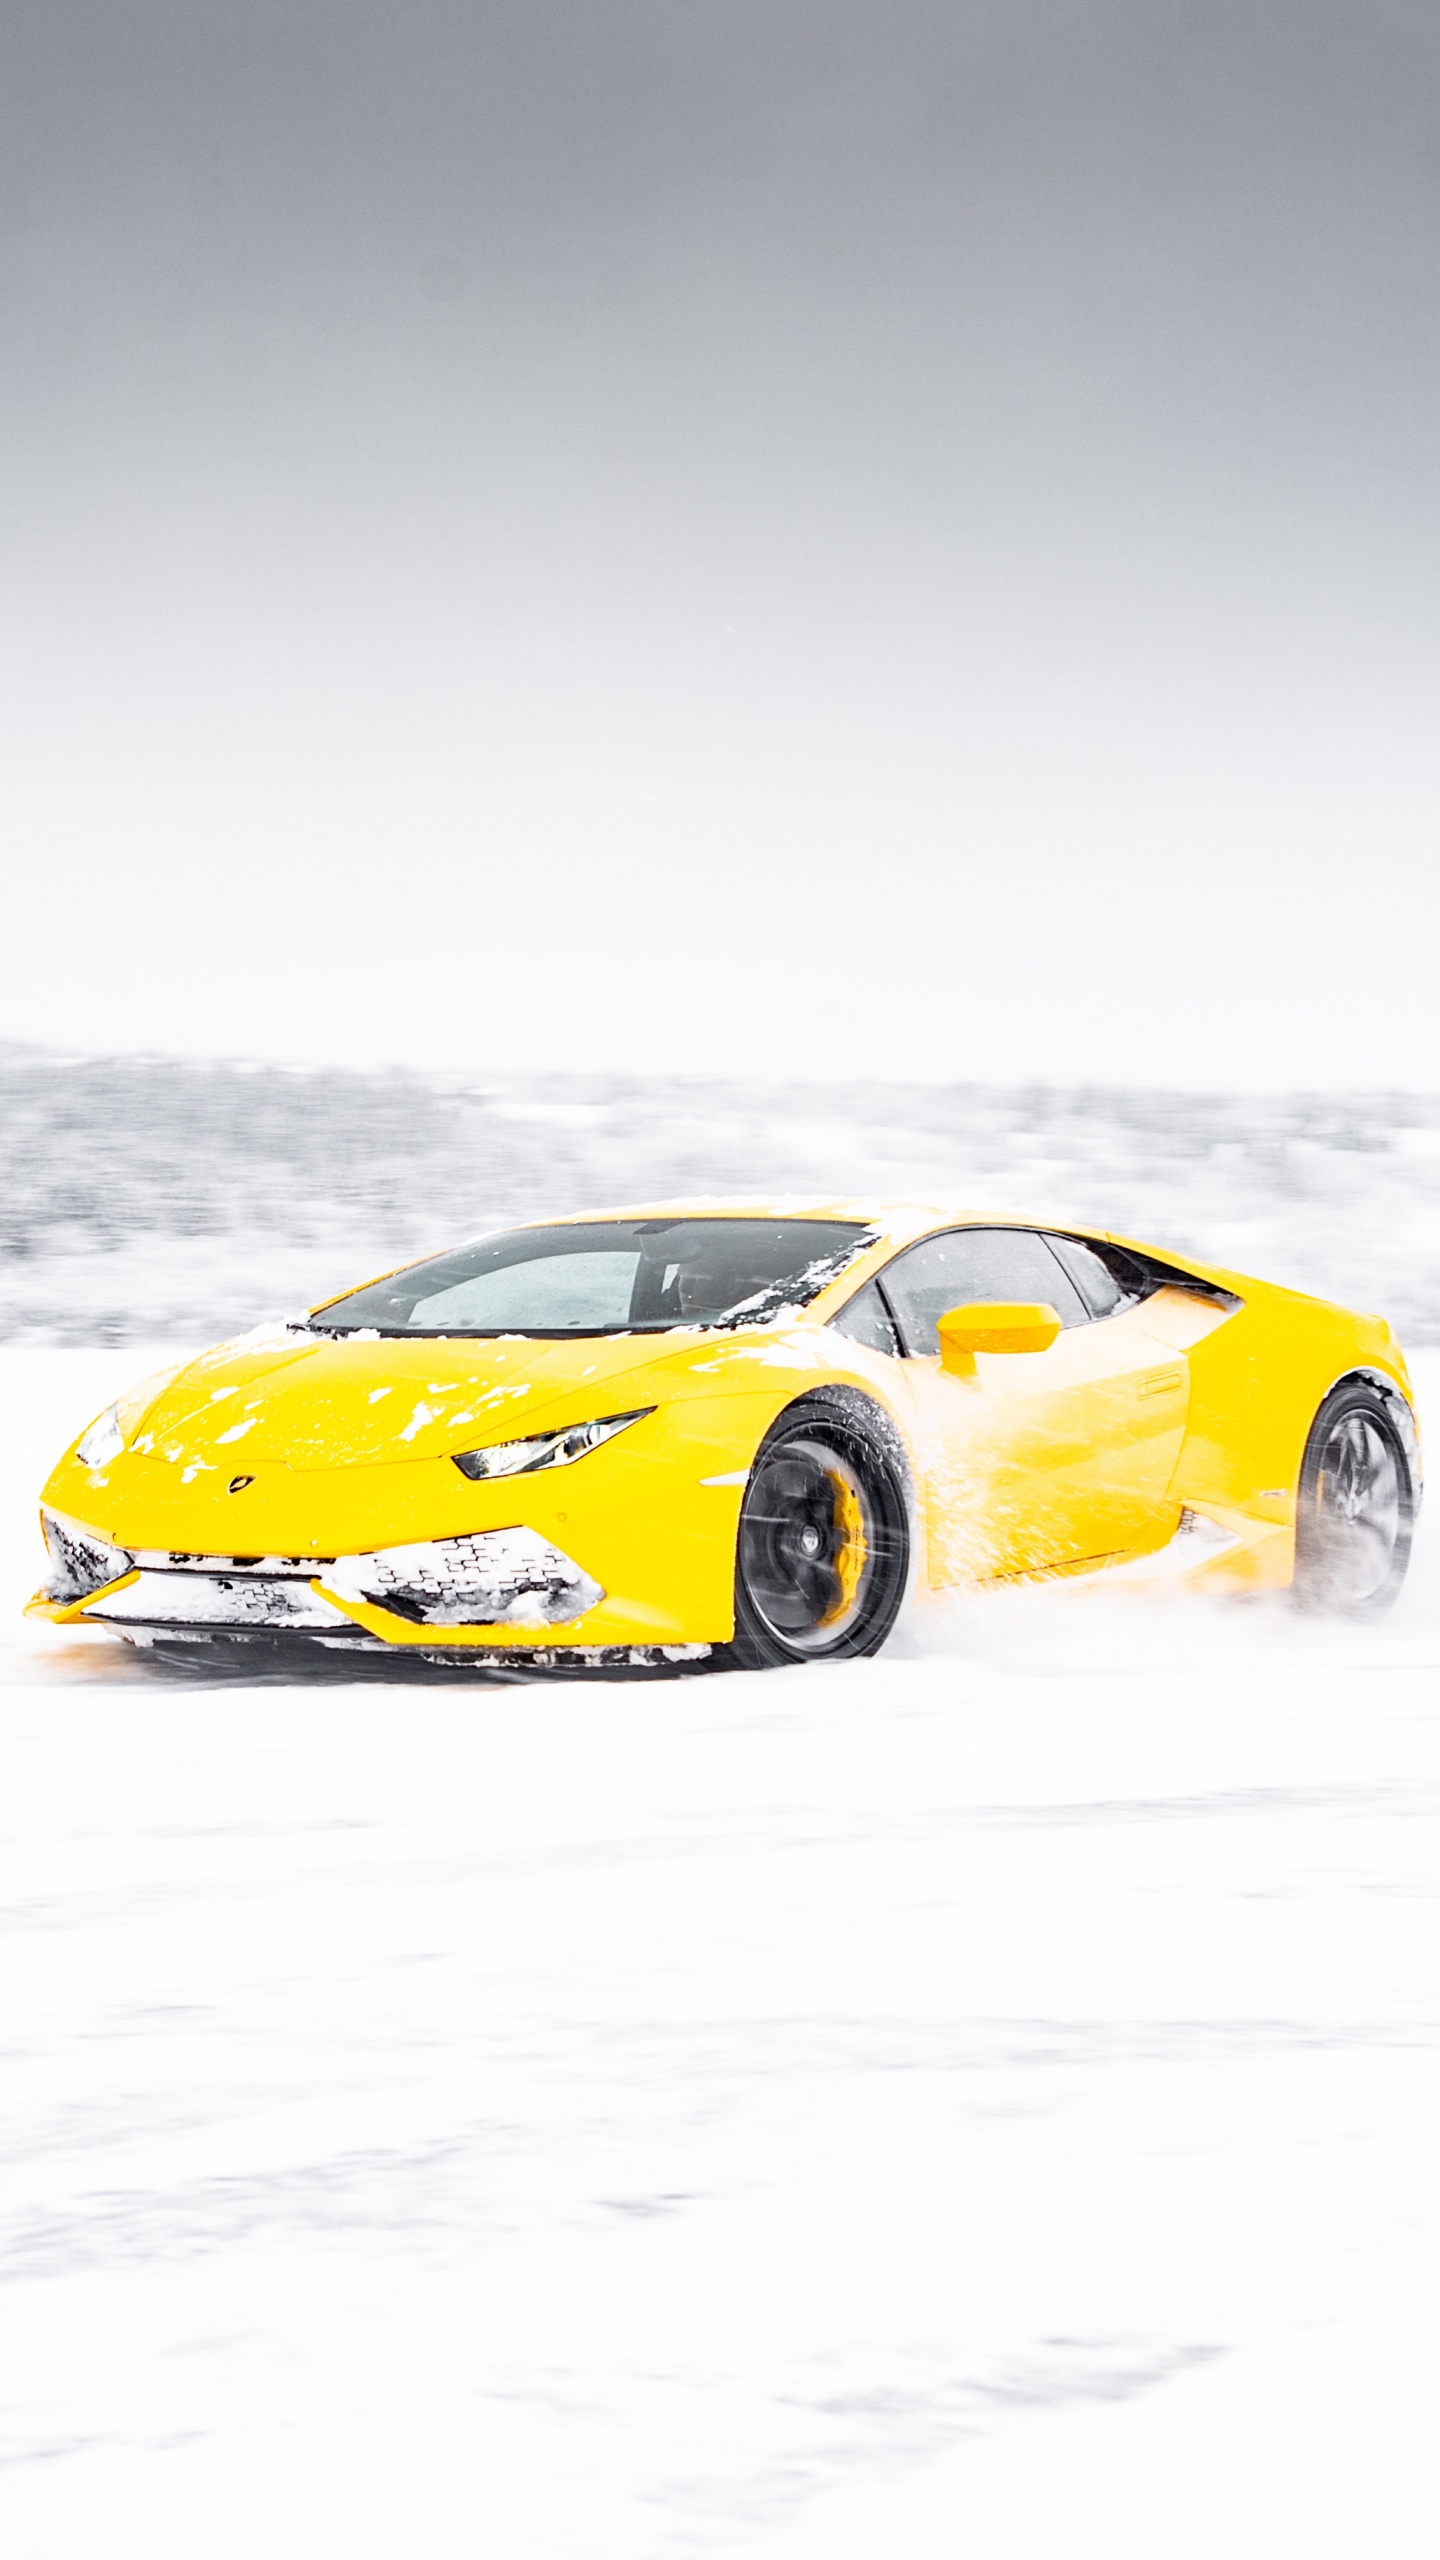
[(296, 1447), (1044, 1460)]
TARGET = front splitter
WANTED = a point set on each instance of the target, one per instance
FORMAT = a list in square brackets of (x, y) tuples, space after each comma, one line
[(273, 1653)]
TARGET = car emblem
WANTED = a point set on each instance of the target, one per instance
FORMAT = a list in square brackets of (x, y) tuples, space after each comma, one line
[(237, 1484)]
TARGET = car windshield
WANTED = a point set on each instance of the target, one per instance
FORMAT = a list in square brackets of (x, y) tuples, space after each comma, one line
[(608, 1275)]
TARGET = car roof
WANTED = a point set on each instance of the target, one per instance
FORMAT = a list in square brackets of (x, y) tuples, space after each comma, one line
[(895, 1221)]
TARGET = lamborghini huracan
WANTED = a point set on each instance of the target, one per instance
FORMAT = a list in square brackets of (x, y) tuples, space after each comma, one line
[(743, 1435)]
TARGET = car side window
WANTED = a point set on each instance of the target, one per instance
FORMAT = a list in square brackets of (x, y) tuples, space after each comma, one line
[(969, 1265), (867, 1319), (1107, 1278)]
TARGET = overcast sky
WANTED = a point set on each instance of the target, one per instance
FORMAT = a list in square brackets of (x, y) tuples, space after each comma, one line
[(897, 535)]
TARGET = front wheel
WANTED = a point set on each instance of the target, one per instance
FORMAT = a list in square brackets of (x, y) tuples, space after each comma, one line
[(1356, 1513), (823, 1552)]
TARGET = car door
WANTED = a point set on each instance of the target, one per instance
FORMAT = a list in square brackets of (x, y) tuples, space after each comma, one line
[(1040, 1460)]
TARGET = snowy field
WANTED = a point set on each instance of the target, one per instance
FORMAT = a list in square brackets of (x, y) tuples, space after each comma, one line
[(982, 2101), (142, 1197)]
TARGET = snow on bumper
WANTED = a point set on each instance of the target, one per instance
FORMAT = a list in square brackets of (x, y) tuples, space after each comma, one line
[(493, 1578), (279, 1603), (497, 1578), (81, 1561)]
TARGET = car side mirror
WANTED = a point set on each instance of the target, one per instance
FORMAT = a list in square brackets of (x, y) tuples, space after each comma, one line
[(993, 1325)]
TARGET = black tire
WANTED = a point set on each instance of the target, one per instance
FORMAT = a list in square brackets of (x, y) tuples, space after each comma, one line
[(822, 1556), (1355, 1517)]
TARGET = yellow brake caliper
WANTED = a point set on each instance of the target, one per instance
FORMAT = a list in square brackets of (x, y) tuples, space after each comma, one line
[(851, 1550)]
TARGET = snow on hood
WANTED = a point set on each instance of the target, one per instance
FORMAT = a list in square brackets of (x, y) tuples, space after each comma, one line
[(353, 1400)]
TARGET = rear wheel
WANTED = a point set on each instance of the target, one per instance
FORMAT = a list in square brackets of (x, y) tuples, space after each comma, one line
[(823, 1551), (1356, 1512)]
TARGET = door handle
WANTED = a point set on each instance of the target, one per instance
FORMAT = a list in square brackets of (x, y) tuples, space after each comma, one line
[(1160, 1381)]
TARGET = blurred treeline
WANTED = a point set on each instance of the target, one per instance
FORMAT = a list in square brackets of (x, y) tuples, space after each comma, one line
[(149, 1198)]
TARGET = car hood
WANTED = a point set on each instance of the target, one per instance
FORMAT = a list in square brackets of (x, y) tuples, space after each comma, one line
[(346, 1401)]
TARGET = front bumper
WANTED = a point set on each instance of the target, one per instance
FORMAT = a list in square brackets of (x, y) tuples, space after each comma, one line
[(504, 1588), (645, 1536)]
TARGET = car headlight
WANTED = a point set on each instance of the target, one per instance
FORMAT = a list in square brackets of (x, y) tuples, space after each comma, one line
[(103, 1441), (549, 1449)]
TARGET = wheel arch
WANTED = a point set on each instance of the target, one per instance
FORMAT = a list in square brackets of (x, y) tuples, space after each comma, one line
[(1397, 1404), (844, 1402)]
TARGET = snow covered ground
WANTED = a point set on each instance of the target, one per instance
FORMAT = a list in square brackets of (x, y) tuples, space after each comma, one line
[(981, 2101)]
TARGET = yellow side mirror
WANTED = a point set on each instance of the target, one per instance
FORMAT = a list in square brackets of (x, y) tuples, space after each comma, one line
[(993, 1325)]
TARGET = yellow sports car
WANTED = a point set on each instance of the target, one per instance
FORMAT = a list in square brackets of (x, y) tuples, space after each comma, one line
[(749, 1434)]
